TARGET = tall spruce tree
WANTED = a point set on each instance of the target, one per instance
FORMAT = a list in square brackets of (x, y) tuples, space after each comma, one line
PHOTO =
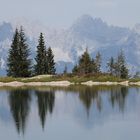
[(85, 63), (50, 62), (41, 57), (13, 57), (24, 61)]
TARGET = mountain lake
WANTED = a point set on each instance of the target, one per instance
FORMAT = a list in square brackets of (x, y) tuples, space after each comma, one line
[(70, 113)]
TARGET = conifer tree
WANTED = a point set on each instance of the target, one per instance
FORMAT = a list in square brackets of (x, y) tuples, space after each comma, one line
[(13, 56), (75, 69), (93, 66), (124, 72), (18, 62), (120, 66), (111, 66), (98, 60), (41, 57), (24, 61), (85, 63), (50, 62)]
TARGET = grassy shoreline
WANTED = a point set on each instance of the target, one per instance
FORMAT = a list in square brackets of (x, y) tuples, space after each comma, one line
[(70, 78)]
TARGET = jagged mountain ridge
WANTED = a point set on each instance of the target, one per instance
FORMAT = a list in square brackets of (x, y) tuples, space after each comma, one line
[(69, 44)]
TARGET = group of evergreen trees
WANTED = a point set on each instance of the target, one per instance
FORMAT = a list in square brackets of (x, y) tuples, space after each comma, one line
[(87, 65), (44, 59), (117, 67), (19, 63)]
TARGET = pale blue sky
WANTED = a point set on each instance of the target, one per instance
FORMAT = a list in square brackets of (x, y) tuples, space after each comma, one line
[(62, 13)]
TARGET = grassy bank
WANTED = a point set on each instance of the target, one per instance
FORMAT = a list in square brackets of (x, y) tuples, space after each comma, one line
[(70, 78)]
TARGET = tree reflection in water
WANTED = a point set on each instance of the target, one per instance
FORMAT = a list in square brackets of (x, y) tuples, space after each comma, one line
[(94, 95), (118, 96), (19, 101), (45, 100), (88, 96), (97, 96)]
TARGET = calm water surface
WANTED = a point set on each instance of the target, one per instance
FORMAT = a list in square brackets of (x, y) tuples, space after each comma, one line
[(74, 113)]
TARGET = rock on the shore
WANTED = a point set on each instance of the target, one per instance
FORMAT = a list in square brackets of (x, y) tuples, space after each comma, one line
[(91, 83), (19, 84)]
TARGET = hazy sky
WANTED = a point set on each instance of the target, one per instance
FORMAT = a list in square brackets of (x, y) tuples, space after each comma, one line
[(62, 13)]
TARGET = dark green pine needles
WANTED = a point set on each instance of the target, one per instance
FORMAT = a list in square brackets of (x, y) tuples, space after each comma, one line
[(51, 64), (18, 62), (44, 59), (41, 58)]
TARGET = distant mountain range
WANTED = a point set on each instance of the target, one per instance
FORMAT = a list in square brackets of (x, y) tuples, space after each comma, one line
[(69, 44)]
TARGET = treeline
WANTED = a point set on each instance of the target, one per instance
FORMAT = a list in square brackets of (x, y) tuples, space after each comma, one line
[(19, 62), (87, 65)]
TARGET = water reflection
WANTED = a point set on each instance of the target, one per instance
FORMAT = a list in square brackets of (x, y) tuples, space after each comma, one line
[(118, 96), (19, 101), (72, 104), (90, 95), (45, 101)]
